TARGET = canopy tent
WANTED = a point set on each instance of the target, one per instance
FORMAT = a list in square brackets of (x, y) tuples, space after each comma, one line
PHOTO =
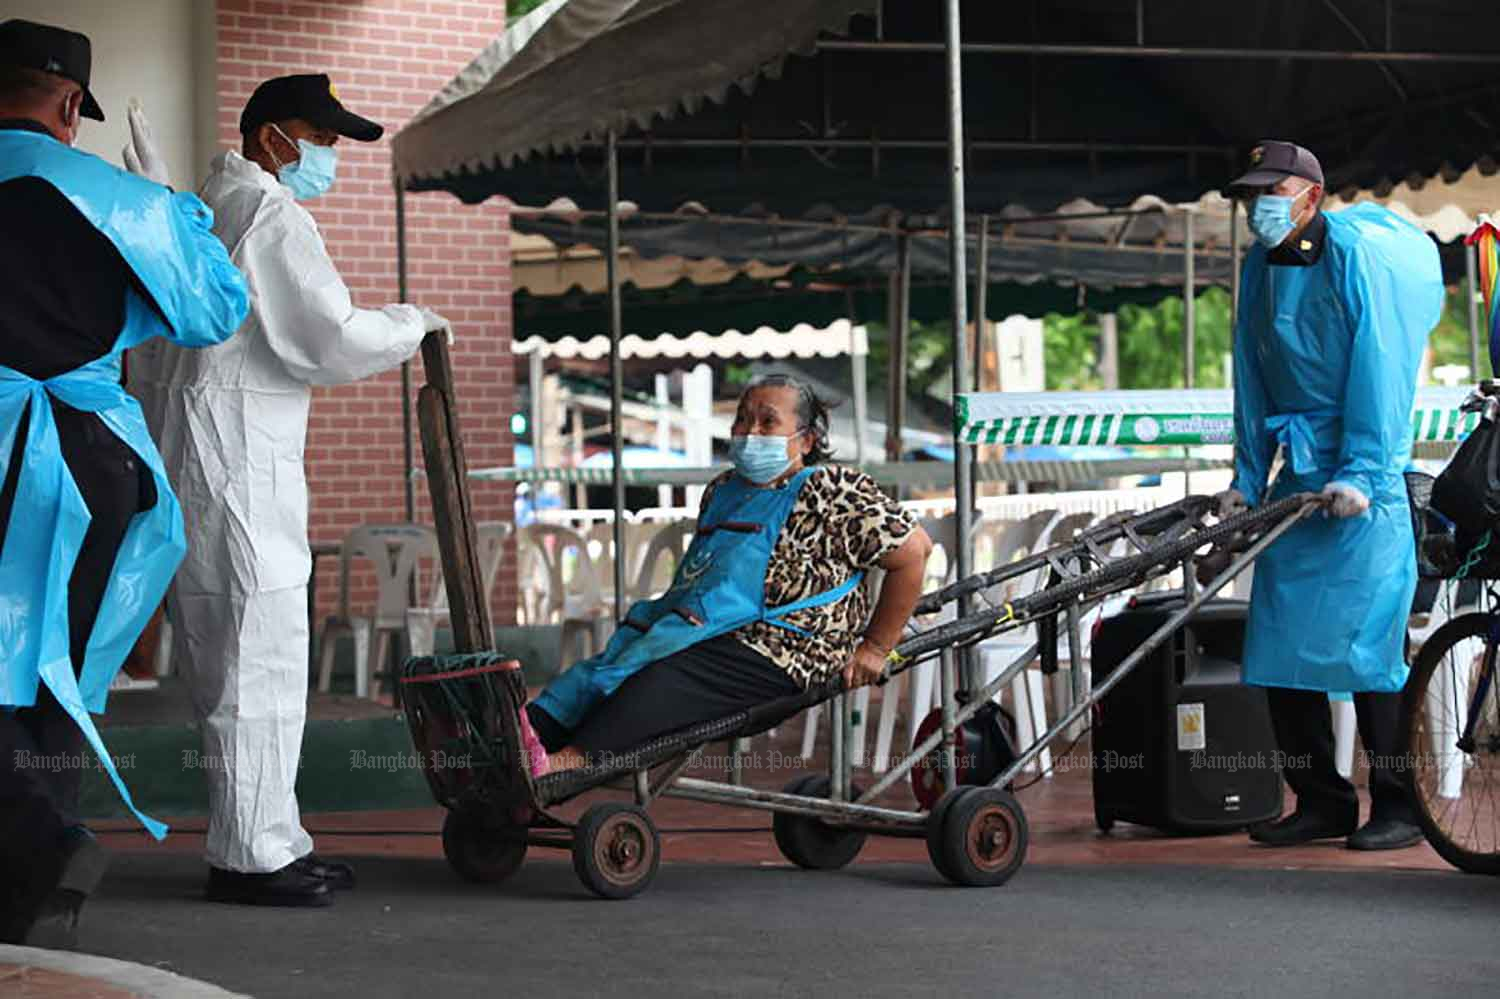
[(1104, 99), (750, 272), (711, 109)]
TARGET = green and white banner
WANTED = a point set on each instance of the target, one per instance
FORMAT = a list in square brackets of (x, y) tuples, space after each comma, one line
[(1182, 417)]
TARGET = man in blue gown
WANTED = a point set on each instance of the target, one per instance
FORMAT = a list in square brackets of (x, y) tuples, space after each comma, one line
[(96, 261), (1333, 319)]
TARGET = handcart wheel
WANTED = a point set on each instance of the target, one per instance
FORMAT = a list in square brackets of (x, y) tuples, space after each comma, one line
[(616, 850), (935, 841), (984, 837), (480, 852), (812, 843), (1450, 725)]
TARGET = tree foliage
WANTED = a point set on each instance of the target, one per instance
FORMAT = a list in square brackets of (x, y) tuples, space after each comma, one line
[(520, 8)]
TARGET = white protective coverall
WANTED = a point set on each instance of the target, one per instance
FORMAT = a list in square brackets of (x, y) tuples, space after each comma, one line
[(231, 422)]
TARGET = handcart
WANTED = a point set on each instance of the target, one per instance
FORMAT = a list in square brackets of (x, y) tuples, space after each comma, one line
[(465, 707)]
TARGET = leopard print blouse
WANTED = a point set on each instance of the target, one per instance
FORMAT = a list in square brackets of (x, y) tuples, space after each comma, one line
[(841, 523)]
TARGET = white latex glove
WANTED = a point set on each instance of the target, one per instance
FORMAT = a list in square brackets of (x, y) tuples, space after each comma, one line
[(1344, 500), (1229, 502), (432, 322), (141, 156)]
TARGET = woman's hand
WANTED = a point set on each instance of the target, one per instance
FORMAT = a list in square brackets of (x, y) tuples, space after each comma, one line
[(865, 667)]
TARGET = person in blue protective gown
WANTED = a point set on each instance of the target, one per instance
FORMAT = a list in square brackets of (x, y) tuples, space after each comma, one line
[(96, 261), (766, 600), (1333, 319)]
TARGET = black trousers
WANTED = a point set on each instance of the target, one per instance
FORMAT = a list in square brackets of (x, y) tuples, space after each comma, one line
[(41, 748), (1304, 733), (702, 682)]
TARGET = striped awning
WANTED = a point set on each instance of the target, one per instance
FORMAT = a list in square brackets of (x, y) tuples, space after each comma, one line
[(1182, 417)]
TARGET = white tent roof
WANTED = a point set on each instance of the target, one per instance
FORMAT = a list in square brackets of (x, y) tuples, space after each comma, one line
[(553, 79), (840, 339)]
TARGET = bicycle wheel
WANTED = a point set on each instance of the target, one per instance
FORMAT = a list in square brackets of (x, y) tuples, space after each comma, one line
[(1454, 779)]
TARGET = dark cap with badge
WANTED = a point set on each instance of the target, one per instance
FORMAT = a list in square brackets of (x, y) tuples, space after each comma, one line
[(1271, 162), (312, 98), (29, 45)]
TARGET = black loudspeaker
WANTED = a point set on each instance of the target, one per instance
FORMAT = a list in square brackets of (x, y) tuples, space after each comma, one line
[(1181, 744)]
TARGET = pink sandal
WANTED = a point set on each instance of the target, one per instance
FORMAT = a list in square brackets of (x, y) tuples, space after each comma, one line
[(533, 754)]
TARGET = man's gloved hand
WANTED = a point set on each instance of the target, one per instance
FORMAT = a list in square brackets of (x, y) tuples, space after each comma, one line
[(1228, 503), (432, 322), (141, 156), (1344, 500)]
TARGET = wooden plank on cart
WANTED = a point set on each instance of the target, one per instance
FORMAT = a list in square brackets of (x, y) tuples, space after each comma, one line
[(447, 481)]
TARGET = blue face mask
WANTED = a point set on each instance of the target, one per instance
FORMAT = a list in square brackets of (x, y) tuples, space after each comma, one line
[(313, 173), (1271, 219), (758, 458)]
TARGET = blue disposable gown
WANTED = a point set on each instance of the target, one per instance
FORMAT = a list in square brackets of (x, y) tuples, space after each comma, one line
[(1326, 359), (196, 298)]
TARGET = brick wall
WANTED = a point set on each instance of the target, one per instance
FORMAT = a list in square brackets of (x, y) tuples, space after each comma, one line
[(387, 58)]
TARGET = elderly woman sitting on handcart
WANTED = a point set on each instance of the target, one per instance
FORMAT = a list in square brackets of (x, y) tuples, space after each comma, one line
[(766, 602)]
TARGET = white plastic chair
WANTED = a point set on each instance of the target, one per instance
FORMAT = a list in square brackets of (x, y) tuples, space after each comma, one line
[(920, 684), (1027, 690), (574, 597), (422, 622), (658, 562), (396, 551)]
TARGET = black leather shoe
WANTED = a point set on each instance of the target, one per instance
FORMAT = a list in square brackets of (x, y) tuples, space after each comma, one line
[(1302, 827), (55, 925), (337, 875), (1385, 834), (290, 886)]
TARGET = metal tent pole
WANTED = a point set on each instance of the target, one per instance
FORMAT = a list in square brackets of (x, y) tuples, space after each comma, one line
[(1471, 265), (408, 484), (616, 372), (1189, 331), (981, 317), (981, 299), (900, 332), (957, 240)]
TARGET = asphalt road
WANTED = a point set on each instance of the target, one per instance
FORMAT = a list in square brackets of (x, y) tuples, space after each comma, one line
[(412, 929)]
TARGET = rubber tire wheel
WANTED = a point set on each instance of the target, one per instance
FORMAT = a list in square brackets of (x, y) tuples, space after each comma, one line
[(477, 851), (977, 814), (1434, 650), (811, 843), (605, 830), (936, 850)]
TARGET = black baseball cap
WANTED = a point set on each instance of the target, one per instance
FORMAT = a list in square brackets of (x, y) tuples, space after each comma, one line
[(1271, 162), (52, 50), (312, 98)]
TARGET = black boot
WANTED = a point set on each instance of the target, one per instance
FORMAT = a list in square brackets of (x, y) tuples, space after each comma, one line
[(55, 924), (292, 886), (337, 875), (1303, 827), (1385, 834)]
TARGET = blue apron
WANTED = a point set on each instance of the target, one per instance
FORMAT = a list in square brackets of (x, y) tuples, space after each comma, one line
[(167, 241), (719, 586), (1326, 359)]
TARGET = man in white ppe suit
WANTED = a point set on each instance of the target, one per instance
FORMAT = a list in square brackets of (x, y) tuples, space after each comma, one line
[(231, 424)]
